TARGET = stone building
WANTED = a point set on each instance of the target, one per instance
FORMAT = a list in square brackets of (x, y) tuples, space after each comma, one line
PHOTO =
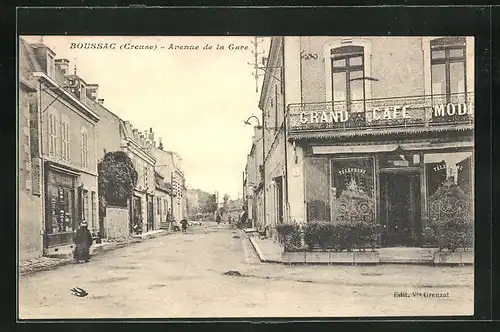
[(64, 138), (391, 116), (169, 166), (30, 228), (139, 147)]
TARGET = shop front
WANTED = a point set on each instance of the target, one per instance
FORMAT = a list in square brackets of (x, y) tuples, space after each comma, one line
[(67, 203), (392, 184)]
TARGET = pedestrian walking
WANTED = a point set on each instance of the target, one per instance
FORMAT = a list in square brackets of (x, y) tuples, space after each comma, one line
[(83, 241), (243, 217), (218, 218), (184, 224)]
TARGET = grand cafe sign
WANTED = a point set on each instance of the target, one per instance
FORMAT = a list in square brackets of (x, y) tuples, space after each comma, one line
[(386, 113)]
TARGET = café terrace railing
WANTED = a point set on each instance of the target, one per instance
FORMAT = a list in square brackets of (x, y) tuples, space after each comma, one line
[(409, 111)]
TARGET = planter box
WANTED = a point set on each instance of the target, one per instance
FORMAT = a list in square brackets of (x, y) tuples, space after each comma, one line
[(293, 257), (318, 257), (459, 258), (366, 257), (341, 257)]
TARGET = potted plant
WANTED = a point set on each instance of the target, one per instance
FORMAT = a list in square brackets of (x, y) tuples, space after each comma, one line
[(450, 226)]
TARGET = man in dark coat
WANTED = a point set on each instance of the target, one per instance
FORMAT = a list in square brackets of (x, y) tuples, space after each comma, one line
[(83, 241)]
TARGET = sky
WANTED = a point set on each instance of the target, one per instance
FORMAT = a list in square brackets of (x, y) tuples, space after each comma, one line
[(195, 100)]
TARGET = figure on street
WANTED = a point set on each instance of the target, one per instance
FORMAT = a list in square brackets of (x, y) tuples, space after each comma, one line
[(83, 241), (243, 217), (184, 224), (218, 218)]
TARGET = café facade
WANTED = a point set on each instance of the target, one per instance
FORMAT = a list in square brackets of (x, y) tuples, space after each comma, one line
[(388, 118)]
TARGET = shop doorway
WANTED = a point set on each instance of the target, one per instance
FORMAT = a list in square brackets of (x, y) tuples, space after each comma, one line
[(400, 209), (135, 214)]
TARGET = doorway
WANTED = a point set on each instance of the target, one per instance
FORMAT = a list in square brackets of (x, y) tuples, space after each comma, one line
[(400, 209), (135, 213)]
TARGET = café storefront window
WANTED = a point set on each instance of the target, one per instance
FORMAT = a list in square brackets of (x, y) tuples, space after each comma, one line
[(352, 192), (457, 166), (60, 220)]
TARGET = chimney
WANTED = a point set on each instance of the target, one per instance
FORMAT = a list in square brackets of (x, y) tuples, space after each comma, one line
[(100, 101), (151, 136), (160, 144), (63, 65), (92, 90), (135, 133)]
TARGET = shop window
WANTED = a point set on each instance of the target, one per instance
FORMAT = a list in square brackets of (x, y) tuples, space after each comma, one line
[(317, 196), (347, 74), (60, 204), (448, 66), (352, 189), (457, 167)]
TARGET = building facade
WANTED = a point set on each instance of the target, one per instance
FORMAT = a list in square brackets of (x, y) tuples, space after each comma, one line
[(66, 148), (169, 166), (30, 187), (389, 118), (163, 201), (139, 147)]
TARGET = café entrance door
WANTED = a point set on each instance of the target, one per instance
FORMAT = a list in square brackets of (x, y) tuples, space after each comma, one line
[(400, 208)]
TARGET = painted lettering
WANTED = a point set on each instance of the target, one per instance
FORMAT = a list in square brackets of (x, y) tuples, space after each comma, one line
[(303, 118), (438, 110), (450, 109), (323, 117), (314, 117)]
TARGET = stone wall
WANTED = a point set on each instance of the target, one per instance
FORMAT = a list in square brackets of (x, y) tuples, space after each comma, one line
[(117, 222)]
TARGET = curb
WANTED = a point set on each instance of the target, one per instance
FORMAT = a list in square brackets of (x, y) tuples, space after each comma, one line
[(259, 253), (109, 246)]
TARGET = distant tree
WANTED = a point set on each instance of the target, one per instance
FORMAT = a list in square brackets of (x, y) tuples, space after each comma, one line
[(225, 204), (117, 179)]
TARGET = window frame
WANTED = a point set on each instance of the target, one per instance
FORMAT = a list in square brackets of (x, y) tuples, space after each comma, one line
[(447, 44), (347, 68), (366, 43)]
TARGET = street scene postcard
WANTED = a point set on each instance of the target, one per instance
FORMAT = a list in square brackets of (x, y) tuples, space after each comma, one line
[(245, 177)]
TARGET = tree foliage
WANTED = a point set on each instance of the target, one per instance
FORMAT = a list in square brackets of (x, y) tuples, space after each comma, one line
[(117, 178)]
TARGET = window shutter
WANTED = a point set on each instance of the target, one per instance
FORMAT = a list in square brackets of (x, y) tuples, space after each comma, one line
[(68, 142)]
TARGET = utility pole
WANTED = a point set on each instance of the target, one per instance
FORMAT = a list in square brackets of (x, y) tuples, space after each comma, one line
[(255, 42)]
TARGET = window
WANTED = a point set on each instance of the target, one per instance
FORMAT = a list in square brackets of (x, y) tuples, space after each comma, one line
[(85, 148), (52, 134), (448, 66), (352, 194), (347, 74), (85, 205), (65, 140), (158, 206)]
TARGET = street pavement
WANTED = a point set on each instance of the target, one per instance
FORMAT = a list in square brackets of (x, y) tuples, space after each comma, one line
[(212, 271)]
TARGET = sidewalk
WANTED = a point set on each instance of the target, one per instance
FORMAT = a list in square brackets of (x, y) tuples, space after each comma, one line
[(270, 252), (45, 263), (267, 250)]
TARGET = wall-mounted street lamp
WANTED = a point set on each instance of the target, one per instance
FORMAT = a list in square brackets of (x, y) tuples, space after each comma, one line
[(263, 127)]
